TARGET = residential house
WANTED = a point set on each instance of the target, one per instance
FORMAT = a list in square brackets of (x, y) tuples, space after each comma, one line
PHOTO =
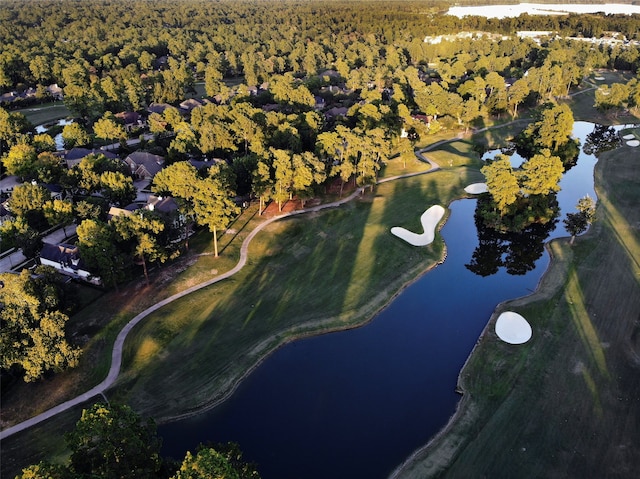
[(66, 259), (126, 211), (131, 120), (168, 208), (158, 108), (335, 112), (188, 105), (55, 91), (5, 214), (9, 97), (144, 165)]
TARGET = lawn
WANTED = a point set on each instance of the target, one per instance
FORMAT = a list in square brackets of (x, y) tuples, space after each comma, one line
[(564, 404)]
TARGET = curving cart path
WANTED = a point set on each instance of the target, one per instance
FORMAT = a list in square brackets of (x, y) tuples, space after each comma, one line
[(116, 354)]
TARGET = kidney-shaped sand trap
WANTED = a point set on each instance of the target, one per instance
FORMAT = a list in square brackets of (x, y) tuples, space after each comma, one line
[(630, 136), (476, 188), (633, 143), (429, 220), (513, 328)]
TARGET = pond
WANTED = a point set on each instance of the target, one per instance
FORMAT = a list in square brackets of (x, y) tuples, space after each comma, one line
[(355, 404), (58, 138)]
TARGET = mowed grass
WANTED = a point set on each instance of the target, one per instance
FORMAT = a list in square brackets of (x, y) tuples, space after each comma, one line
[(315, 273), (306, 275), (565, 404), (43, 114)]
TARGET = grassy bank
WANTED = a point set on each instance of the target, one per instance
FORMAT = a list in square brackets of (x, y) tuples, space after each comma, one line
[(44, 114), (315, 273), (564, 404)]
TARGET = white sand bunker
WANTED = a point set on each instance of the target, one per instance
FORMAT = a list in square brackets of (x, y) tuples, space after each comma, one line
[(513, 328), (429, 220), (476, 188), (633, 142), (630, 136), (599, 78)]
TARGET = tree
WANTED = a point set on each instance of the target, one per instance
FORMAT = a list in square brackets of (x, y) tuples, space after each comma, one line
[(210, 463), (502, 183), (43, 142), (516, 94), (17, 233), (213, 204), (20, 161), (44, 470), (578, 223), (180, 181), (143, 228), (281, 161), (555, 126), (59, 212), (575, 223), (113, 442), (97, 244), (108, 128), (48, 168), (262, 183), (117, 188), (552, 130), (28, 198), (73, 135), (12, 126), (32, 334), (406, 151), (308, 171), (541, 174)]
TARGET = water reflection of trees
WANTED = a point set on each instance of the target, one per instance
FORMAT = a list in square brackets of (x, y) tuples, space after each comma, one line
[(602, 138), (515, 251)]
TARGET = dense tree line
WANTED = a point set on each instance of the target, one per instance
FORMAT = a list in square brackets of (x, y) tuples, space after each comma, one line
[(33, 316), (108, 45)]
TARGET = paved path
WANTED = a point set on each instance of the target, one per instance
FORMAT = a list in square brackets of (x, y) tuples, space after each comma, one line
[(116, 354)]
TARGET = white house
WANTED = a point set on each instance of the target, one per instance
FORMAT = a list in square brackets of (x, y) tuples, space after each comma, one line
[(66, 259)]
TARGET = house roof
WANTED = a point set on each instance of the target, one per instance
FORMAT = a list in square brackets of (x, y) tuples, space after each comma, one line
[(63, 253), (151, 163), (158, 107), (79, 153), (190, 104), (336, 111), (129, 117), (164, 204), (113, 212)]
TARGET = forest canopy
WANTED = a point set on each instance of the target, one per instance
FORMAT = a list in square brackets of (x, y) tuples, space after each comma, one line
[(69, 41)]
